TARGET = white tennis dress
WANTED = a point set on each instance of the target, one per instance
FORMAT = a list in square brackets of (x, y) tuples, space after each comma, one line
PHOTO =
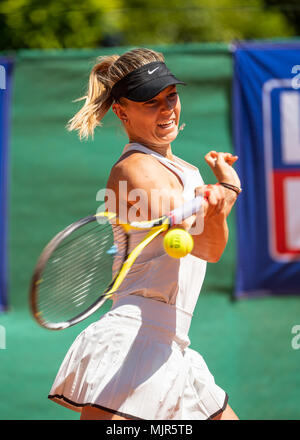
[(135, 360)]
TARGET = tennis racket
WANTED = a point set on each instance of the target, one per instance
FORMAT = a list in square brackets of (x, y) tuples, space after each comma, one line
[(86, 263)]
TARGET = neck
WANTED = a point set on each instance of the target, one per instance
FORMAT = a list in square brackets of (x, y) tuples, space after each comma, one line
[(163, 150)]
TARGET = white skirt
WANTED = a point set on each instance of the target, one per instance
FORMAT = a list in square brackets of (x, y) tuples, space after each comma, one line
[(135, 362)]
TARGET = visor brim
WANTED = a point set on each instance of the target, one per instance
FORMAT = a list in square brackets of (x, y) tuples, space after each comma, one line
[(149, 90)]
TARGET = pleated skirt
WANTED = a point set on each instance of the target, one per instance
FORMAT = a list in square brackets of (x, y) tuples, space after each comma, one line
[(135, 361)]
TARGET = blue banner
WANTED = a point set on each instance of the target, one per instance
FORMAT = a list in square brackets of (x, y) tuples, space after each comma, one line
[(6, 68), (266, 114)]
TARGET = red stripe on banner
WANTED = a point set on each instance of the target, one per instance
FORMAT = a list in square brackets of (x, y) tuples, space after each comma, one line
[(280, 213)]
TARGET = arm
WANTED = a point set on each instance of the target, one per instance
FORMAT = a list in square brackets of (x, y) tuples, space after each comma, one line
[(148, 191), (211, 243)]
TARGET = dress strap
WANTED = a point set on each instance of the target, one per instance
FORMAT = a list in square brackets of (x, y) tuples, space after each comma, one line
[(167, 162)]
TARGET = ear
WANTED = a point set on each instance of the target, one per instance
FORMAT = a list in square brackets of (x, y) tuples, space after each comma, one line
[(120, 111)]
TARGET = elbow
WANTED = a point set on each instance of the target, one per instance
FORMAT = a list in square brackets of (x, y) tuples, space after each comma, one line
[(215, 255), (214, 259), (217, 251), (210, 257), (210, 251)]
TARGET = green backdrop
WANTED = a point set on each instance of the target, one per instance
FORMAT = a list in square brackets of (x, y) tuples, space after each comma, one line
[(54, 179)]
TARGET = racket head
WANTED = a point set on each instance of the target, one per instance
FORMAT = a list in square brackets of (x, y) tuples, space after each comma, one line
[(75, 270)]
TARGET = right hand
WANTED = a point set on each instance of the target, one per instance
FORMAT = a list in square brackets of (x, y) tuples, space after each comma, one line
[(214, 199)]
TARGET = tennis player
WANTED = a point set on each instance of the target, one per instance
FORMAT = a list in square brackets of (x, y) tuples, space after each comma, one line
[(135, 361)]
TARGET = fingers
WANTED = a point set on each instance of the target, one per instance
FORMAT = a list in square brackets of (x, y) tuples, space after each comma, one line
[(214, 198), (214, 158), (226, 157), (230, 159), (211, 159)]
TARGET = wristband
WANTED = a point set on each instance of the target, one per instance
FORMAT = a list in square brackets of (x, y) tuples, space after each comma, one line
[(234, 188)]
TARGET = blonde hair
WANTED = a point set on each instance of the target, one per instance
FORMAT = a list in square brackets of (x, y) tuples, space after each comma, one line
[(104, 75)]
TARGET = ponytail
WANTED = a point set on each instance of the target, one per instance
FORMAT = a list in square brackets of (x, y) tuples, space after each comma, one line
[(98, 100)]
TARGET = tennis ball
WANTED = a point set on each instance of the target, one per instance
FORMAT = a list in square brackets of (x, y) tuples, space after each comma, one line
[(178, 243)]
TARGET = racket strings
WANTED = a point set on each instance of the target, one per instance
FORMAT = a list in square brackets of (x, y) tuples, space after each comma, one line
[(80, 269), (83, 285), (60, 261), (78, 241), (83, 288), (74, 239), (67, 264), (86, 294)]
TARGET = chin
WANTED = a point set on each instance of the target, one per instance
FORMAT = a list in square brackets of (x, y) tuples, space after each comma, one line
[(170, 137)]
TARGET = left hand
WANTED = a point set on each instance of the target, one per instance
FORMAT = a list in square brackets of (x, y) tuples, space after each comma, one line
[(221, 166)]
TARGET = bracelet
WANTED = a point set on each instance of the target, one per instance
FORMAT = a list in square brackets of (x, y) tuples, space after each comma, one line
[(234, 188)]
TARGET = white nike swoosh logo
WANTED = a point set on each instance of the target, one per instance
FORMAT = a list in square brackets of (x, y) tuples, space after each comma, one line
[(152, 71)]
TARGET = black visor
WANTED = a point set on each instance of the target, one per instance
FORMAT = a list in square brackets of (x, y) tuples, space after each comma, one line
[(145, 82)]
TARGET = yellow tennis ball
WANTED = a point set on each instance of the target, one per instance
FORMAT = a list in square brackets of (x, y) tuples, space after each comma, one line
[(178, 243)]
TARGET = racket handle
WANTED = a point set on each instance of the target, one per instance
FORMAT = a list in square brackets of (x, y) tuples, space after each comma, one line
[(185, 211)]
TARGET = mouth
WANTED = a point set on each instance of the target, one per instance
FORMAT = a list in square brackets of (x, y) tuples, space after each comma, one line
[(166, 125)]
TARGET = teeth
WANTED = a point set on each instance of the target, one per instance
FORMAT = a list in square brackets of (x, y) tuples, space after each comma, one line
[(166, 124)]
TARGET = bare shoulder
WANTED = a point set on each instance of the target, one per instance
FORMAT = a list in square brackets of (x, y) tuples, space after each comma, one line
[(137, 169), (141, 178)]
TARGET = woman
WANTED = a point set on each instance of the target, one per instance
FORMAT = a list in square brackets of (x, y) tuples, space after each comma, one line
[(135, 363)]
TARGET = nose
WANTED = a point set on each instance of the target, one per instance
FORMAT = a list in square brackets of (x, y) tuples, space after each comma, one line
[(167, 105)]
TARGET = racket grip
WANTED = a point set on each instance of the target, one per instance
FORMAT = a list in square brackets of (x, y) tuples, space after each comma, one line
[(185, 211)]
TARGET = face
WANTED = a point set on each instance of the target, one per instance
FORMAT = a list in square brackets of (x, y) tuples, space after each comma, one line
[(154, 122)]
